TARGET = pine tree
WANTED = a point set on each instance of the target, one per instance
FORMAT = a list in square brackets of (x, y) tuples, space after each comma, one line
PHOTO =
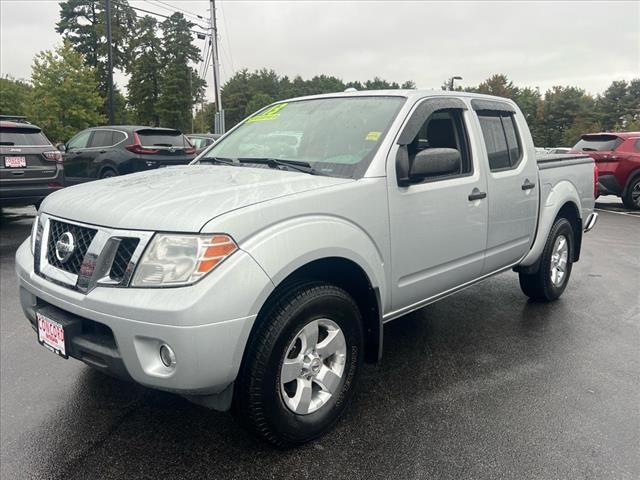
[(180, 85), (146, 72)]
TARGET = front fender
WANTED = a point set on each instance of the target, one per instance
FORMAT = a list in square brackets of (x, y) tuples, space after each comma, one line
[(559, 195), (286, 246)]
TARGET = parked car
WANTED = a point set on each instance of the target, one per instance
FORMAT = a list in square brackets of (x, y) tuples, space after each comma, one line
[(203, 140), (262, 281), (559, 150), (103, 152), (30, 166), (617, 156)]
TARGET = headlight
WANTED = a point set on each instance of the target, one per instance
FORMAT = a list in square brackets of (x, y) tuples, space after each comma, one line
[(34, 233), (175, 260)]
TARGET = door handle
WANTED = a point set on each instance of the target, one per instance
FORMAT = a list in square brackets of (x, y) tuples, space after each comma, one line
[(477, 195), (527, 185)]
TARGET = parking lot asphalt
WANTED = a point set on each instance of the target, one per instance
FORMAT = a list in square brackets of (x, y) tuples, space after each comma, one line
[(483, 384)]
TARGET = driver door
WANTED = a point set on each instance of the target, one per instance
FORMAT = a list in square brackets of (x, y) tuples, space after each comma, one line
[(438, 226)]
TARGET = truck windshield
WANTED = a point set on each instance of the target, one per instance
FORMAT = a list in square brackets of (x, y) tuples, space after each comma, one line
[(598, 143), (335, 136)]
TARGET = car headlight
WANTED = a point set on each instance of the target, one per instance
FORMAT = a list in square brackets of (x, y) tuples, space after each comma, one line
[(34, 233), (175, 260)]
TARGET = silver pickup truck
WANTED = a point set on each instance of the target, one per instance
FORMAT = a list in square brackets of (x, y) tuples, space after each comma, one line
[(260, 277)]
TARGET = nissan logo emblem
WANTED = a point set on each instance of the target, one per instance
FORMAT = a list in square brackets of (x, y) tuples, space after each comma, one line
[(65, 246)]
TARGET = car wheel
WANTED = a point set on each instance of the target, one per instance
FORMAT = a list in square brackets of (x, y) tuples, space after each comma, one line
[(300, 365), (548, 283), (631, 198), (108, 173)]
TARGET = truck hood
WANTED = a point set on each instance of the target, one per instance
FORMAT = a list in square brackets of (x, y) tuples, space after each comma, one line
[(179, 199)]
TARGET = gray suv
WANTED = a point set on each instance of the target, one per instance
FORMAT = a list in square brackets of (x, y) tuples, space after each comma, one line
[(30, 166)]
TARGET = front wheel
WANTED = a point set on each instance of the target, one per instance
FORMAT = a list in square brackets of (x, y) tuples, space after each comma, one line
[(548, 283), (631, 198), (301, 365)]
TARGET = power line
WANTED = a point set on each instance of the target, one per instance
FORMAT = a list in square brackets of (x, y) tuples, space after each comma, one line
[(181, 10), (226, 31), (156, 14)]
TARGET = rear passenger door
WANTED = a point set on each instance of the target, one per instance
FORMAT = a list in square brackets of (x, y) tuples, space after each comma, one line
[(512, 183)]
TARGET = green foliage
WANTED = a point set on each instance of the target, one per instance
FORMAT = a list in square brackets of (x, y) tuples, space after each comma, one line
[(180, 85), (145, 69), (65, 96), (83, 24), (14, 96), (204, 118), (247, 92)]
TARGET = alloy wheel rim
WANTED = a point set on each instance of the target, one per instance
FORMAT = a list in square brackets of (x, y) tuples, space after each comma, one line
[(635, 194), (313, 366), (559, 260)]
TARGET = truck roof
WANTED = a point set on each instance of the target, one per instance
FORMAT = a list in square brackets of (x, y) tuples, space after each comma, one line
[(410, 94)]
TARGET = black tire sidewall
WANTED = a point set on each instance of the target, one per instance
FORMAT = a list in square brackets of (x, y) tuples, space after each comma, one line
[(562, 226), (314, 303), (628, 199)]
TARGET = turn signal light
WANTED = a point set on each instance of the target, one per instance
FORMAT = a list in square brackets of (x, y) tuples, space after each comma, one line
[(53, 156), (220, 247)]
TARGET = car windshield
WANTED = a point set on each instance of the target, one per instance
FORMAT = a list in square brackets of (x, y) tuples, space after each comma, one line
[(598, 143), (335, 136)]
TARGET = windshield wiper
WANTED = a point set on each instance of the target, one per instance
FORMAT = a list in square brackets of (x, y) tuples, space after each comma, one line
[(589, 149), (7, 143), (297, 165), (220, 160)]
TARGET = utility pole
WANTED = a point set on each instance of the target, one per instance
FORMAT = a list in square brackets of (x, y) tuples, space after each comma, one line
[(219, 124), (109, 63), (452, 80)]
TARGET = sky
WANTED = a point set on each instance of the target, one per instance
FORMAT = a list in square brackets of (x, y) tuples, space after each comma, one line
[(538, 44)]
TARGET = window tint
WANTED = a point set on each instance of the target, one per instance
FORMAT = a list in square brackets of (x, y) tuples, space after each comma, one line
[(513, 142), (598, 143), (495, 141), (118, 137), (101, 138), (162, 138), (79, 141), (501, 139), (638, 145), (200, 143), (22, 137), (443, 129)]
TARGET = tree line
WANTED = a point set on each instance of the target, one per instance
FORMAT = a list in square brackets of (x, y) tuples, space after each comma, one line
[(67, 90)]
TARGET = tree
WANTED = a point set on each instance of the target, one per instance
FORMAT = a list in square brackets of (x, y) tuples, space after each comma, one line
[(180, 86), (83, 24), (145, 69), (65, 97), (14, 96), (204, 118)]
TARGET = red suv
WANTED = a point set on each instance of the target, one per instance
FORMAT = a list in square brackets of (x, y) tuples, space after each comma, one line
[(617, 156)]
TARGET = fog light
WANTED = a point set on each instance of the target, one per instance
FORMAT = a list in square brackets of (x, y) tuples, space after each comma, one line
[(167, 356)]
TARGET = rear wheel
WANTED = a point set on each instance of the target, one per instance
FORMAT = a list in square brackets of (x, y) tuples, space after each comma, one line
[(108, 173), (548, 283), (631, 198), (300, 366)]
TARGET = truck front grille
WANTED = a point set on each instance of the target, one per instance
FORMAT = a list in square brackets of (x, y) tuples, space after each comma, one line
[(123, 256), (82, 240)]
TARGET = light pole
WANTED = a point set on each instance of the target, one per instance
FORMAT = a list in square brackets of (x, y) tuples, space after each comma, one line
[(452, 80), (109, 64)]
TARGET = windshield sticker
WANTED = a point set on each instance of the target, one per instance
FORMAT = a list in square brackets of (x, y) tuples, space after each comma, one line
[(270, 114), (373, 136)]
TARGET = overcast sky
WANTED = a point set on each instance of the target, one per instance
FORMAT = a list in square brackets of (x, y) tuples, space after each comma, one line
[(539, 44)]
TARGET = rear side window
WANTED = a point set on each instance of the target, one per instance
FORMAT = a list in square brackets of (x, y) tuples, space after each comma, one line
[(501, 139), (162, 138), (101, 138), (23, 137), (598, 143)]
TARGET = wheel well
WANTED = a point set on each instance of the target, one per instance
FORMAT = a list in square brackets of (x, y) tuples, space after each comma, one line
[(349, 276), (570, 211), (104, 168), (632, 177)]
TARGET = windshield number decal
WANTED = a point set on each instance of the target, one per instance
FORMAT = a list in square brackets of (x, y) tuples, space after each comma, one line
[(270, 114)]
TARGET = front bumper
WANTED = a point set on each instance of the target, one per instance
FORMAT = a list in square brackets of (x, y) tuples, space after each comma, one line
[(120, 330)]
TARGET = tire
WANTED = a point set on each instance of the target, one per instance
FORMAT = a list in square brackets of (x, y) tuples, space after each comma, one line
[(264, 400), (631, 198), (108, 173), (546, 284)]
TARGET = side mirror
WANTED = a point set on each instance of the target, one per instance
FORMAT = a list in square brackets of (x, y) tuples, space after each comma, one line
[(61, 147), (433, 162)]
